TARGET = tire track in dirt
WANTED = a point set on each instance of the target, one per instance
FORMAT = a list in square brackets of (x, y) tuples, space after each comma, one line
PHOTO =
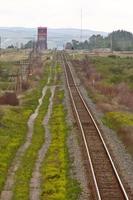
[(35, 183), (7, 192), (35, 188)]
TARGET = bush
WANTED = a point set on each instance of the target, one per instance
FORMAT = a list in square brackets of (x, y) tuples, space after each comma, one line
[(117, 120)]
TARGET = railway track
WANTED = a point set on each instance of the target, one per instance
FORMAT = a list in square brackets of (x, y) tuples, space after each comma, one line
[(106, 183)]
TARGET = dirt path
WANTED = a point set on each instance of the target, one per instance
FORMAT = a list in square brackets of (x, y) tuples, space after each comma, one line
[(8, 188), (35, 188)]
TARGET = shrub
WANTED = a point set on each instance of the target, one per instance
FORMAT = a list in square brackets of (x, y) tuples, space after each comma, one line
[(116, 120)]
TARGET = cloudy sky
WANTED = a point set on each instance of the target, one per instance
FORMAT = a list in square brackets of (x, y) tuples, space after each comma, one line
[(102, 15)]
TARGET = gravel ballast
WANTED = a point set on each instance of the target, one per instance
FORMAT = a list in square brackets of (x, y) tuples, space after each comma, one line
[(78, 170)]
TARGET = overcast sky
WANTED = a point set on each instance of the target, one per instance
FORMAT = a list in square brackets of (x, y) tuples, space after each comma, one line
[(102, 15)]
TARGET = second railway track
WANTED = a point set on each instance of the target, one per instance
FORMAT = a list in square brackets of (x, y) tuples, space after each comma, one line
[(107, 184)]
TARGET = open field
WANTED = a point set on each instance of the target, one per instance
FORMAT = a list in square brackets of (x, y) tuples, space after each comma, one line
[(14, 55)]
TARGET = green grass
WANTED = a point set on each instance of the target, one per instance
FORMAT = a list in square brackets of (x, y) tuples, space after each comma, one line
[(115, 80), (56, 182), (13, 130), (13, 126), (122, 124), (55, 70), (24, 174), (115, 70), (12, 133), (6, 68), (117, 120)]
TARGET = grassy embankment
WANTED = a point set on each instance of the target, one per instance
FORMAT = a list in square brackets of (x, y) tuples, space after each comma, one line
[(56, 181), (13, 126)]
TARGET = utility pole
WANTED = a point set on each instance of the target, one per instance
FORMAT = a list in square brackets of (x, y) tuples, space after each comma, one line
[(111, 42), (81, 36), (0, 45)]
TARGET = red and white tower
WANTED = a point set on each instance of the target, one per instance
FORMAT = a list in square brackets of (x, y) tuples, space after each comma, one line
[(42, 38)]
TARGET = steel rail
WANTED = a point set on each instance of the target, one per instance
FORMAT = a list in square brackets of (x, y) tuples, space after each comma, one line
[(100, 135), (84, 138)]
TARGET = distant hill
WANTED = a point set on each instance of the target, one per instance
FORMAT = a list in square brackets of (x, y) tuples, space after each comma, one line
[(56, 37)]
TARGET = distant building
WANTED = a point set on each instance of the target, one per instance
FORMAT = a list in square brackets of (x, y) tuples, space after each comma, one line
[(42, 38)]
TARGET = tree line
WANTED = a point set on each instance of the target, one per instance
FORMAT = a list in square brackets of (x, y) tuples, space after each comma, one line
[(117, 41)]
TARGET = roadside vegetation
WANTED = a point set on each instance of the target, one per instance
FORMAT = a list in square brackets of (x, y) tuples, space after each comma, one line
[(12, 133), (56, 181), (112, 80), (122, 123), (24, 174), (6, 68), (114, 69), (13, 126), (109, 81), (117, 120)]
